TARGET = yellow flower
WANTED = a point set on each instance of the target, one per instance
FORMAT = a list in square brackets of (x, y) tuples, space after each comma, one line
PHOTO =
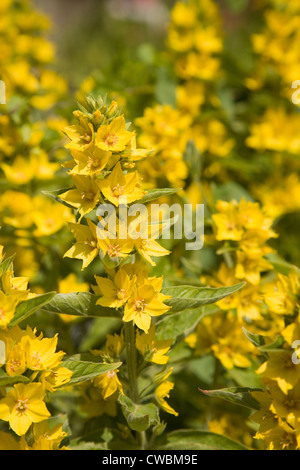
[(86, 195), (162, 392), (280, 368), (149, 248), (145, 303), (55, 378), (228, 224), (282, 437), (42, 168), (113, 245), (16, 361), (81, 134), (153, 350), (46, 438), (15, 286), (117, 292), (281, 296), (108, 383), (91, 162), (40, 353), (119, 188), (250, 265), (7, 309), (20, 172), (114, 137), (71, 284), (86, 247), (276, 131), (24, 405), (286, 406), (49, 217), (94, 404)]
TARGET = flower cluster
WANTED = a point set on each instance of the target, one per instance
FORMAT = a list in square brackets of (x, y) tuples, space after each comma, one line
[(195, 39), (30, 368), (29, 135), (103, 170)]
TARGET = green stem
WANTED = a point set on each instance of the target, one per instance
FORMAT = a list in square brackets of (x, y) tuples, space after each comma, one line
[(133, 373), (131, 361)]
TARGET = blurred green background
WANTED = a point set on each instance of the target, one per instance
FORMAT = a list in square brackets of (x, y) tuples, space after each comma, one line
[(94, 35)]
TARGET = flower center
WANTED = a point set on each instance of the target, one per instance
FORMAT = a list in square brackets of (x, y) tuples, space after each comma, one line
[(2, 312), (121, 294), (92, 243), (140, 305), (230, 225), (94, 163), (49, 222), (110, 374), (86, 137), (14, 365), (21, 406), (36, 359), (118, 190), (290, 403), (88, 195), (111, 139), (113, 251)]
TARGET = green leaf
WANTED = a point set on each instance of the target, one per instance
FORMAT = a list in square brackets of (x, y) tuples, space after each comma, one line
[(236, 395), (86, 367), (190, 297), (256, 340), (199, 440), (193, 158), (245, 377), (153, 194), (230, 191), (280, 265), (90, 446), (82, 304), (29, 307), (139, 417), (7, 381), (259, 341), (275, 346), (182, 324), (6, 265), (55, 195)]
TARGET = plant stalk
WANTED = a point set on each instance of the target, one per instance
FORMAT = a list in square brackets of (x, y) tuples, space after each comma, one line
[(131, 361)]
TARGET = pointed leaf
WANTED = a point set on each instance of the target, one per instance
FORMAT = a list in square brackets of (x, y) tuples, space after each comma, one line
[(86, 367), (237, 395), (154, 194), (29, 307), (6, 265), (82, 304), (55, 195), (256, 340), (188, 297), (199, 440), (7, 381), (182, 324)]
